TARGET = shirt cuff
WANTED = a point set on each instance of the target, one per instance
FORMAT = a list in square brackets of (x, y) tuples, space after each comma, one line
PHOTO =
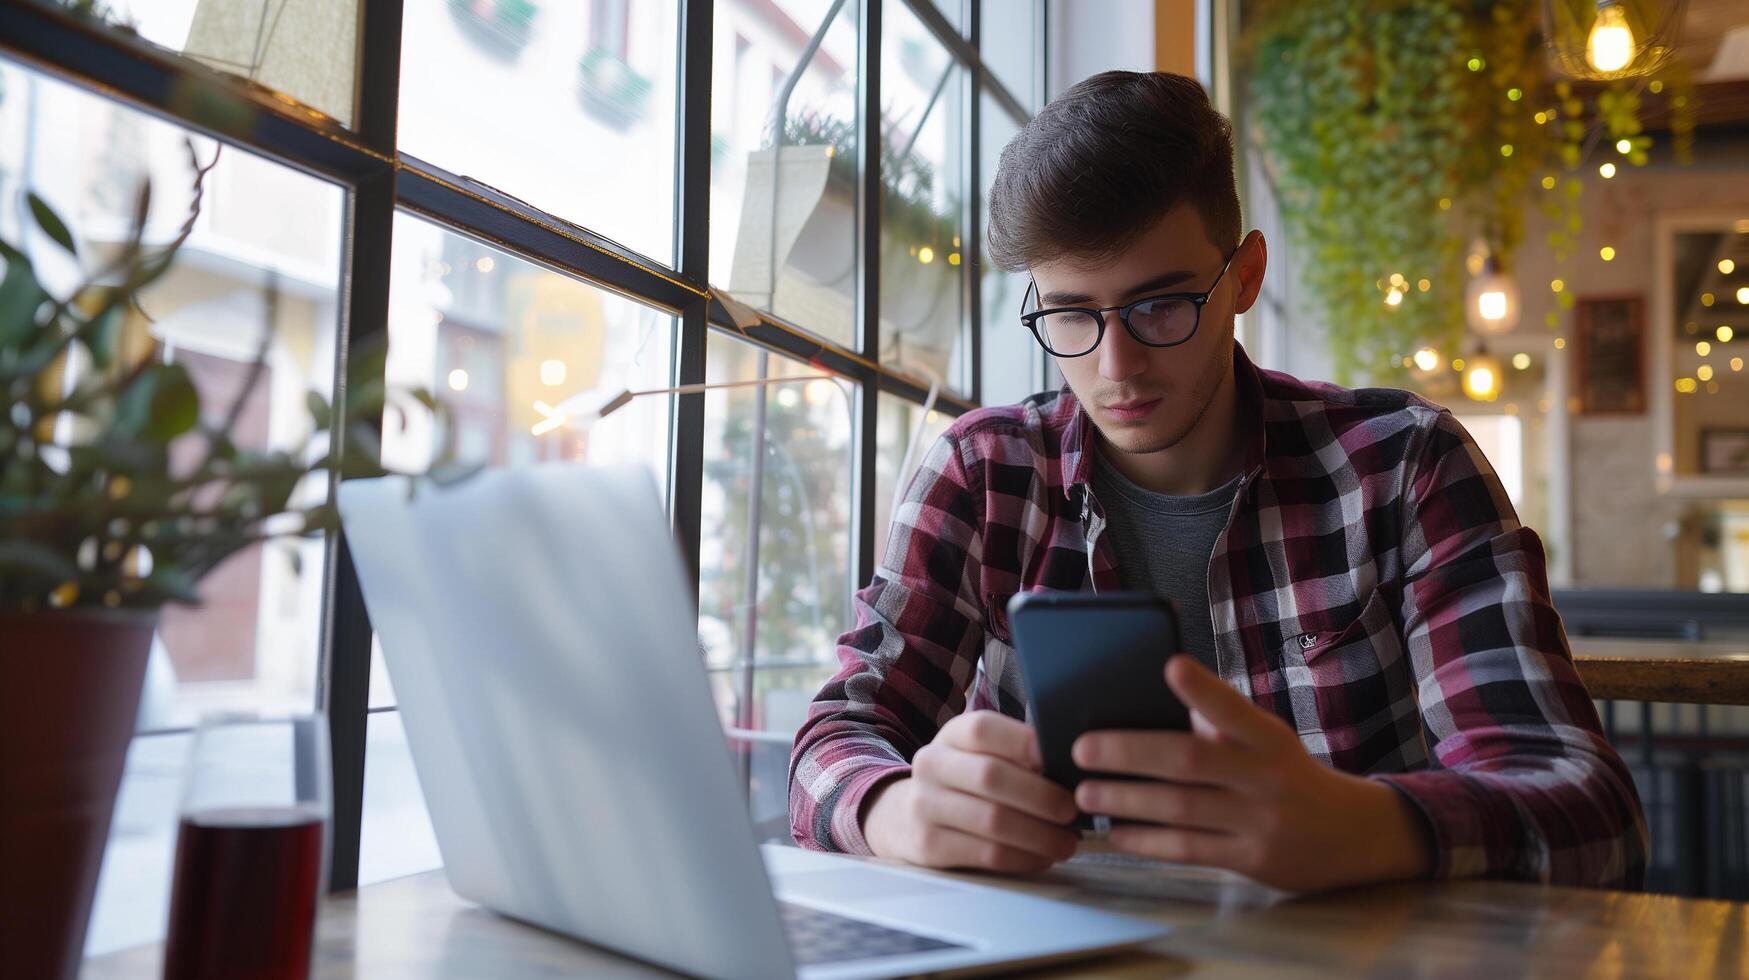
[(1473, 831), (847, 811)]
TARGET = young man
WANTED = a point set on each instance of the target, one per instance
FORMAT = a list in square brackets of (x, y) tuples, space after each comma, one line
[(1380, 686)]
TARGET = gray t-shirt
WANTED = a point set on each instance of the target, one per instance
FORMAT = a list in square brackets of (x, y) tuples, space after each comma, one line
[(1163, 545)]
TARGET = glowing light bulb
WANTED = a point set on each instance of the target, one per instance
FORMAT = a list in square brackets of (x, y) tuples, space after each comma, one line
[(1481, 383), (1727, 266), (1725, 333), (1607, 170), (1606, 253), (1492, 305), (1707, 299), (1743, 295), (1623, 146), (1686, 385), (458, 380), (1521, 361), (552, 372), (1394, 297), (1704, 372), (1610, 46), (926, 255), (1736, 364), (1427, 359), (1703, 348), (1556, 285)]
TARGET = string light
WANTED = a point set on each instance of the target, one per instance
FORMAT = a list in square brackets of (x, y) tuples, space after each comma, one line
[(1736, 364), (1707, 299), (1394, 297), (1704, 372), (1541, 117), (1560, 343), (1506, 149), (1548, 183), (1727, 266), (1686, 385), (1607, 253), (1423, 284), (1514, 94), (1521, 361), (458, 380), (1556, 285), (926, 255), (1623, 146), (1743, 295), (1476, 63), (1427, 359), (1703, 348), (1607, 170), (1725, 333)]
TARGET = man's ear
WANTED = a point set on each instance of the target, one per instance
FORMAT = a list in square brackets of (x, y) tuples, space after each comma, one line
[(1248, 265)]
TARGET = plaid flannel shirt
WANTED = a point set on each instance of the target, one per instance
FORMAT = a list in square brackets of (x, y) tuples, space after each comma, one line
[(1373, 588)]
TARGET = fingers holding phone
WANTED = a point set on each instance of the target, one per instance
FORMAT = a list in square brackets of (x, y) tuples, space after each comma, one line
[(975, 798)]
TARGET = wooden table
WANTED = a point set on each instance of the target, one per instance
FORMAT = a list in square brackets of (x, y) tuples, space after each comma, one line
[(1226, 926), (1664, 670)]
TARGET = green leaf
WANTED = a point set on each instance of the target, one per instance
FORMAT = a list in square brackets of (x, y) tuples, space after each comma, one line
[(171, 584), (320, 415), (160, 405), (102, 335), (50, 222), (20, 297), (37, 560)]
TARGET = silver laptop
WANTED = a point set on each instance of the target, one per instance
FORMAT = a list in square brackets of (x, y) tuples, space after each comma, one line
[(541, 636)]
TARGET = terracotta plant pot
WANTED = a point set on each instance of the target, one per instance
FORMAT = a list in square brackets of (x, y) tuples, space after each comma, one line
[(69, 690)]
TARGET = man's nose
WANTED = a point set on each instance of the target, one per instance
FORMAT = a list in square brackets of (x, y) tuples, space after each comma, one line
[(1121, 357)]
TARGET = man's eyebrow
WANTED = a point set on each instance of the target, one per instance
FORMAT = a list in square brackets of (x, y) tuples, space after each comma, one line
[(1163, 281)]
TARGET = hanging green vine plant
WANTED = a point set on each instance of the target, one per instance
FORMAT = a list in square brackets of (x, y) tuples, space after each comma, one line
[(1396, 132)]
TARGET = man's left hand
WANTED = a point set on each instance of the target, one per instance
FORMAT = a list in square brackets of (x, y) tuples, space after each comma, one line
[(1240, 792)]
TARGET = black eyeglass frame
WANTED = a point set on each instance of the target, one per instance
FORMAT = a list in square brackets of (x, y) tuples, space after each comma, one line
[(1123, 313)]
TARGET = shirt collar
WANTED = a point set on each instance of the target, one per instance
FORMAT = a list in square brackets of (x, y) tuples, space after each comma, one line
[(1079, 435)]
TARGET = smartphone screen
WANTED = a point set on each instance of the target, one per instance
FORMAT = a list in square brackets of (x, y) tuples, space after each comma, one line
[(1093, 661)]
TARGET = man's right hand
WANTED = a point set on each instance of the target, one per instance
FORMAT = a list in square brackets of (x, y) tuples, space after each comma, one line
[(975, 799)]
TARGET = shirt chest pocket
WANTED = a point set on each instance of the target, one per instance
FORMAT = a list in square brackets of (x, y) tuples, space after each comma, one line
[(1343, 681)]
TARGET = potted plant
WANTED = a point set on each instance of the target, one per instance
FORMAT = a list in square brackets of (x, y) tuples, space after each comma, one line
[(797, 234), (98, 529)]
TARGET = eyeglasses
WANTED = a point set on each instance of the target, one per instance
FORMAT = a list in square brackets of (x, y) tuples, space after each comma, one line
[(1166, 320)]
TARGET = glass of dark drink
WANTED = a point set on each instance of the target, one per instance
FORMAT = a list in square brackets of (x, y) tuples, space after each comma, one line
[(252, 849)]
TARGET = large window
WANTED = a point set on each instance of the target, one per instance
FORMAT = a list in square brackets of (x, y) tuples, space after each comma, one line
[(538, 202)]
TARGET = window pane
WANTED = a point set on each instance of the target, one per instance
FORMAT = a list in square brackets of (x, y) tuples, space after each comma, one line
[(261, 264), (133, 888), (786, 447), (395, 837), (1011, 358), (902, 426), (304, 48), (795, 258), (1009, 39), (567, 105), (922, 278), (504, 343)]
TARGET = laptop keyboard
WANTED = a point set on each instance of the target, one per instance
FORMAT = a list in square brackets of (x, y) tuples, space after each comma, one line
[(821, 937)]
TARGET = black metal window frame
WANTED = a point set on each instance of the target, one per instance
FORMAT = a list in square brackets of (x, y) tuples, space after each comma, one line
[(379, 181)]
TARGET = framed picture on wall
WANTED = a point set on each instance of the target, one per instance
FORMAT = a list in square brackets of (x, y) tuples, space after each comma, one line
[(1609, 355), (1724, 452)]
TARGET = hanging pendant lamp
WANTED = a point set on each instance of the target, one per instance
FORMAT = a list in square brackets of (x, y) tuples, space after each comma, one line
[(1597, 40)]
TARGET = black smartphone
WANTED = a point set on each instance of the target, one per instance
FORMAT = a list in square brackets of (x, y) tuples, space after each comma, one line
[(1093, 661)]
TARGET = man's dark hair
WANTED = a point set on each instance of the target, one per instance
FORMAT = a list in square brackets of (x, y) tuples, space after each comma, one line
[(1106, 160)]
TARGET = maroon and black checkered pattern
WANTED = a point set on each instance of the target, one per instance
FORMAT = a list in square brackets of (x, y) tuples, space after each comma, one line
[(1373, 588)]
